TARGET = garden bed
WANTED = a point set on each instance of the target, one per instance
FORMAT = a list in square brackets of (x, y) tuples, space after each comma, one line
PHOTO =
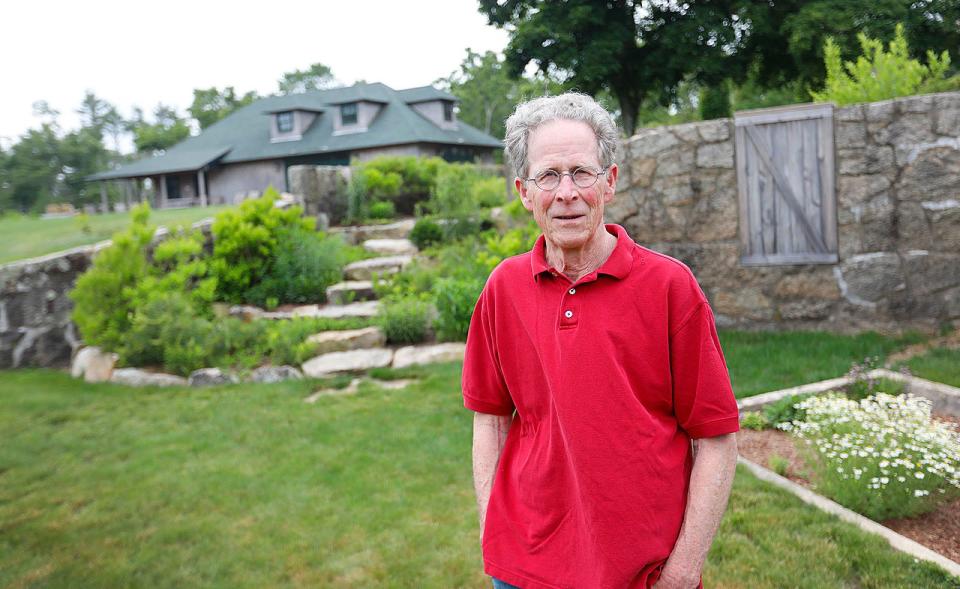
[(931, 536)]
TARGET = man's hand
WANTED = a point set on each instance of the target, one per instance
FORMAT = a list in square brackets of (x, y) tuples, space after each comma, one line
[(714, 464), (489, 437)]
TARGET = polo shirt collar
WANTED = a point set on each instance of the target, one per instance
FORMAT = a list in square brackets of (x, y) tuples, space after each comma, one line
[(618, 265)]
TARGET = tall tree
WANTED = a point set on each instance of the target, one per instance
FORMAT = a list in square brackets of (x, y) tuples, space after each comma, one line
[(168, 129), (101, 117), (212, 104), (33, 169), (316, 77)]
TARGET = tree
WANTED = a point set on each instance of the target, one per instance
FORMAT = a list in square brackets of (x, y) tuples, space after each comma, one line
[(33, 168), (101, 117), (316, 77), (155, 138), (212, 104)]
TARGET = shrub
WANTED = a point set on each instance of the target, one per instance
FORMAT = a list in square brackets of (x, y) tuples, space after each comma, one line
[(305, 264), (784, 411), (455, 300), (451, 197), (104, 296), (883, 456), (285, 341), (245, 239), (779, 464), (404, 320), (754, 420), (402, 180), (488, 192), (880, 74), (382, 210), (425, 233), (862, 385)]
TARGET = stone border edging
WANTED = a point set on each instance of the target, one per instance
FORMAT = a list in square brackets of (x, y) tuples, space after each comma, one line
[(901, 543)]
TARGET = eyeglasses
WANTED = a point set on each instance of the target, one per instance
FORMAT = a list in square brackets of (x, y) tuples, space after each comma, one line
[(583, 177)]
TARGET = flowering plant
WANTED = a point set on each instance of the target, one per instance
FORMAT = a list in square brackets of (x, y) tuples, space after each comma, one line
[(882, 456)]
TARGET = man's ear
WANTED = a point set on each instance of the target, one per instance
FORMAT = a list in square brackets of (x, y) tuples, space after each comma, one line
[(521, 187), (610, 179)]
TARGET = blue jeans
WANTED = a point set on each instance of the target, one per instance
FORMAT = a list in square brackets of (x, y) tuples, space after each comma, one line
[(498, 584)]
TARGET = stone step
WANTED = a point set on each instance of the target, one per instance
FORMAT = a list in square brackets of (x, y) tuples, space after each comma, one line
[(428, 354), (390, 247), (351, 361), (348, 339), (350, 291), (355, 235), (360, 309), (365, 269)]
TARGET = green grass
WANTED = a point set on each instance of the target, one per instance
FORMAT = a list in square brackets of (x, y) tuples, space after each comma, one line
[(939, 364), (766, 361), (27, 237), (248, 486)]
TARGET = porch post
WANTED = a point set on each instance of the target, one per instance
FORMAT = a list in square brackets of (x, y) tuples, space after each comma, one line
[(201, 177), (104, 204), (163, 191)]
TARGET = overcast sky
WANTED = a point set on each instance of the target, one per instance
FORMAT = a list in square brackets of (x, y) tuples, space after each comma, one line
[(134, 53)]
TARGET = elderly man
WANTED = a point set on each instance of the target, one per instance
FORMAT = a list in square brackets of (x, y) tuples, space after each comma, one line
[(591, 364)]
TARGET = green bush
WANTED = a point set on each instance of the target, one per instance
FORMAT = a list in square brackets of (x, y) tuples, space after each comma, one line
[(778, 464), (754, 420), (880, 74), (383, 210), (245, 239), (402, 180), (784, 411), (305, 263), (452, 195), (426, 232), (404, 320), (488, 192), (105, 295), (455, 300)]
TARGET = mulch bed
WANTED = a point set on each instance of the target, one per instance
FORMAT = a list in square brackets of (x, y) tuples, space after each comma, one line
[(938, 530)]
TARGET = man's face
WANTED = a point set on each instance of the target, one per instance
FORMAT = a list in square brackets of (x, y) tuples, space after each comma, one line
[(568, 215)]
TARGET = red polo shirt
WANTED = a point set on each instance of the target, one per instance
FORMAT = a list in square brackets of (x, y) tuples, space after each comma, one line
[(610, 377)]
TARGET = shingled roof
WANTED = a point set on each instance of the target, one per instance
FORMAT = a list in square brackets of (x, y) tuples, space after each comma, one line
[(244, 135)]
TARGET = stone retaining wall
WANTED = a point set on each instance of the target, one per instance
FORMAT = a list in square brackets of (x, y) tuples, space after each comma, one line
[(898, 218)]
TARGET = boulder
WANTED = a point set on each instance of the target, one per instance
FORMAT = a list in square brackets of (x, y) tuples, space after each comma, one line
[(354, 360), (430, 354), (275, 374), (205, 377), (365, 269), (350, 291), (93, 364), (345, 340), (390, 247), (135, 377), (246, 312)]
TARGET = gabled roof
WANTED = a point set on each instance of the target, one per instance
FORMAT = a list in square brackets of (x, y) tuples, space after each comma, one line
[(244, 135)]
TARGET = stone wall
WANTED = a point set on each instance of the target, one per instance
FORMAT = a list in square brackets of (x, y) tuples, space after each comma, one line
[(898, 217), (35, 325)]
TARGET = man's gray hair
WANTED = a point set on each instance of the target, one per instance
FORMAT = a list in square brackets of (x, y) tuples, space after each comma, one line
[(571, 106)]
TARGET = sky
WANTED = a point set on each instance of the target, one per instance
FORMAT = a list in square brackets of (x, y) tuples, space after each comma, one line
[(134, 53)]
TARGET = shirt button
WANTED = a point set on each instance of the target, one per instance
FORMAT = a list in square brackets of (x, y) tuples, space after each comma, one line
[(572, 291), (568, 313)]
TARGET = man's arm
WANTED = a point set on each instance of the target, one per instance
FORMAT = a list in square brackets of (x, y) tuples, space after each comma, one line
[(714, 464), (489, 437)]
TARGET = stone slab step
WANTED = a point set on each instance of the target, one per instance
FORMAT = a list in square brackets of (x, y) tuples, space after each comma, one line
[(354, 360), (429, 354), (136, 377), (365, 269), (350, 291), (358, 234), (390, 247), (361, 309), (348, 339)]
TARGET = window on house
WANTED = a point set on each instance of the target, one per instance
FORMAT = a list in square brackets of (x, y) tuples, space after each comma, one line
[(785, 179), (284, 122), (448, 111), (348, 114)]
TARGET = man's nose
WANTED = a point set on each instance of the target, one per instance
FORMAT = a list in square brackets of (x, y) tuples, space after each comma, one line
[(566, 190)]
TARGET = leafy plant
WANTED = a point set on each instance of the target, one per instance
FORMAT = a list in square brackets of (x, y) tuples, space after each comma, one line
[(785, 410), (883, 456), (778, 464), (455, 300), (404, 320), (383, 210), (425, 233), (488, 192), (863, 385), (754, 420), (305, 263), (880, 74)]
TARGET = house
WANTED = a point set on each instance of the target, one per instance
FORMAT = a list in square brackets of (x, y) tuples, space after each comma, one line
[(252, 148)]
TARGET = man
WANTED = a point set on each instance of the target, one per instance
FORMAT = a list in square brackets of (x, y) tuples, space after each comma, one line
[(591, 364)]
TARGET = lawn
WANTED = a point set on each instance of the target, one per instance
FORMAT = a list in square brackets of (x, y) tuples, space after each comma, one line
[(27, 237), (939, 364), (248, 486)]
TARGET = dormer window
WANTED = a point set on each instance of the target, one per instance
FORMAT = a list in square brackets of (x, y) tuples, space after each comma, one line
[(284, 122), (348, 113), (448, 111)]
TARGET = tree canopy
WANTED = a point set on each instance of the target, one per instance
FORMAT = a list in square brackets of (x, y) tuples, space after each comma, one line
[(315, 77), (168, 129), (212, 104)]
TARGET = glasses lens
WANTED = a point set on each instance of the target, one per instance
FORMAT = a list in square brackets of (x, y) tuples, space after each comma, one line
[(548, 180), (584, 177)]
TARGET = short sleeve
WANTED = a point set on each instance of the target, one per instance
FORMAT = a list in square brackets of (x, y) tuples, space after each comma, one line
[(703, 399), (484, 389)]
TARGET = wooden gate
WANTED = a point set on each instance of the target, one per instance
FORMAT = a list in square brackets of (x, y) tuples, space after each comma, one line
[(785, 180)]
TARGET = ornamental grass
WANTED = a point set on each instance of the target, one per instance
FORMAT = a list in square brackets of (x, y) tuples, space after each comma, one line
[(883, 456)]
